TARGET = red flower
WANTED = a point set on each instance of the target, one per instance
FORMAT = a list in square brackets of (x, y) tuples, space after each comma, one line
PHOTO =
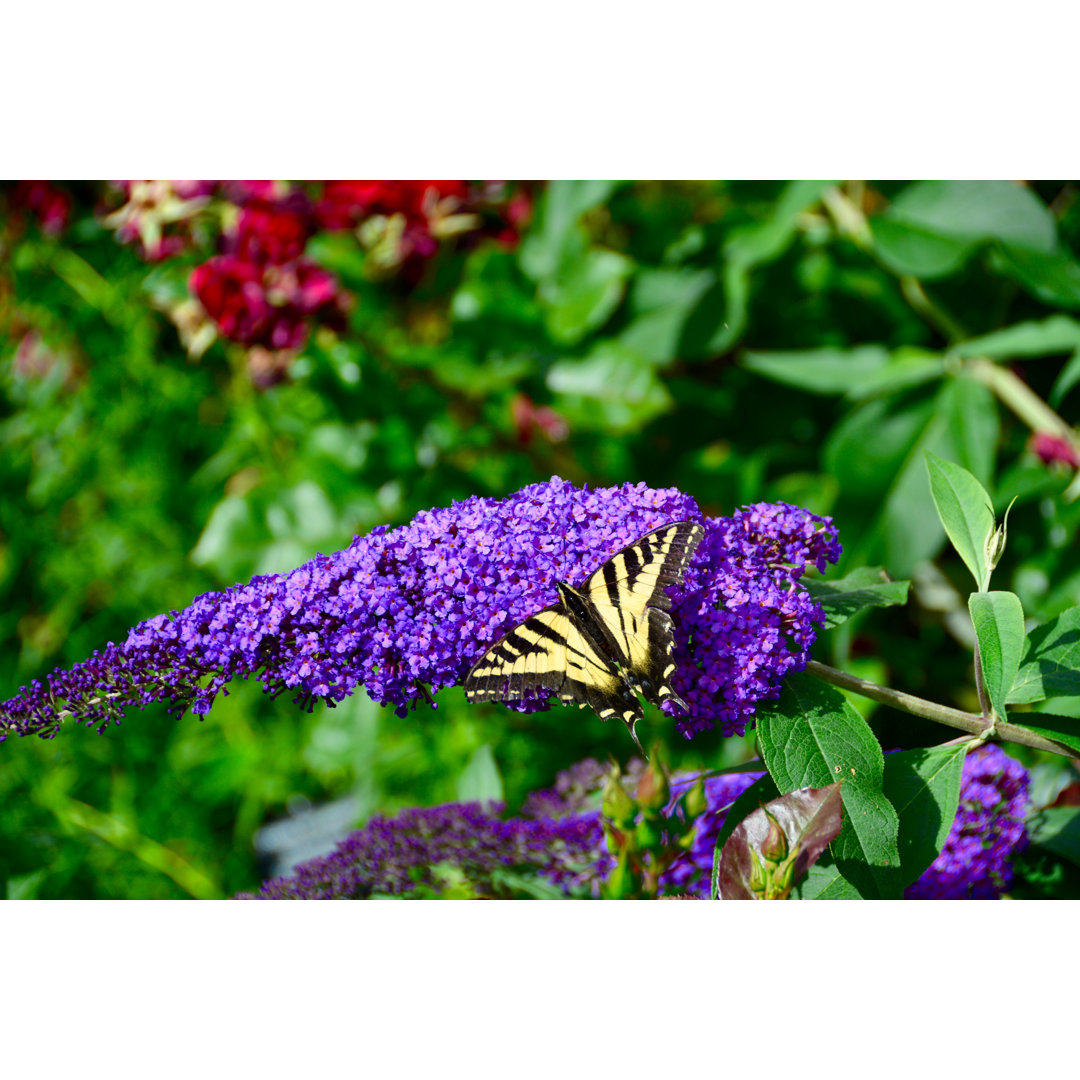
[(344, 203), (1053, 448), (231, 292), (272, 232)]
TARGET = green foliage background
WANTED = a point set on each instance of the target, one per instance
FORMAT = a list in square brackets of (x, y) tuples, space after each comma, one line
[(742, 341)]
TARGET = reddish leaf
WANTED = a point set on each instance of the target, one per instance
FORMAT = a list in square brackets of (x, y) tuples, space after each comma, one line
[(773, 847)]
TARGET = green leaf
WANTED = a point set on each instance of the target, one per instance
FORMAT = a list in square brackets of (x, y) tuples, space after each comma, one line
[(1057, 828), (719, 317), (1053, 277), (1047, 337), (783, 839), (924, 787), (825, 882), (999, 629), (868, 586), (820, 371), (555, 238), (933, 226), (584, 297), (965, 510), (1051, 662), (612, 389), (480, 780), (812, 737), (660, 303)]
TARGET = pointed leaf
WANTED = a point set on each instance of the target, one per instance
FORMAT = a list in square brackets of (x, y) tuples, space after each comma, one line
[(813, 736), (1048, 337), (924, 786), (965, 510), (808, 819), (868, 586), (1051, 662), (999, 630)]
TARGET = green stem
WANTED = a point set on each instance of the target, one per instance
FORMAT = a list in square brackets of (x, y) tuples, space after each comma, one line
[(1005, 384), (940, 714), (930, 311)]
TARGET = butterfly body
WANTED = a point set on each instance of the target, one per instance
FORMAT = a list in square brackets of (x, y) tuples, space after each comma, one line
[(603, 642)]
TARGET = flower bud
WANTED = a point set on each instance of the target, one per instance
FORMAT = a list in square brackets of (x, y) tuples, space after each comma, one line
[(775, 845), (654, 788), (617, 805)]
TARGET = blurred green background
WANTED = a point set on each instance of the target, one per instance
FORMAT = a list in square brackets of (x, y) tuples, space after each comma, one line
[(741, 341)]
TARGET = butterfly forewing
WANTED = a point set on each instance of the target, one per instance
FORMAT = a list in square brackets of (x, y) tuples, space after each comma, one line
[(629, 595)]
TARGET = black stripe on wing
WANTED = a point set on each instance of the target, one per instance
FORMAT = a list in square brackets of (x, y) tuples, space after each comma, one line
[(529, 659), (638, 576)]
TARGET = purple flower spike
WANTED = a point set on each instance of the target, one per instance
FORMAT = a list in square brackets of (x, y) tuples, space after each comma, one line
[(397, 856), (399, 611)]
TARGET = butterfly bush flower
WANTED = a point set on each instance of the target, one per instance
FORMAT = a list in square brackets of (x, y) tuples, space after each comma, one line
[(975, 862), (405, 611), (398, 856)]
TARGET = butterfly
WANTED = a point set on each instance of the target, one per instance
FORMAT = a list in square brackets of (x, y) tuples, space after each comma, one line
[(602, 643)]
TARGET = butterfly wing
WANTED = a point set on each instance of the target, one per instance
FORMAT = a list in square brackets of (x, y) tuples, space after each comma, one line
[(548, 652), (629, 595)]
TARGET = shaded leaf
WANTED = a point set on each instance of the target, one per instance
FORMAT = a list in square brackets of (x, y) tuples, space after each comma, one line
[(757, 794), (924, 787), (1051, 662), (866, 587), (1057, 828)]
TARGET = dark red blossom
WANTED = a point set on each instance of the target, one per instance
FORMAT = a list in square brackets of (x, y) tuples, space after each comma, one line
[(1053, 448), (272, 232), (266, 305), (345, 203), (231, 292)]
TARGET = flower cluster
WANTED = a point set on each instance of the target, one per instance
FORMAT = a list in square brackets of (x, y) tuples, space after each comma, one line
[(405, 609), (975, 862), (260, 289), (746, 624), (558, 837), (263, 290), (401, 856), (418, 604)]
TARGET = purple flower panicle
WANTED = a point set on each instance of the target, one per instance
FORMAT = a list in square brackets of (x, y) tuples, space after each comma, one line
[(398, 856), (402, 610)]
